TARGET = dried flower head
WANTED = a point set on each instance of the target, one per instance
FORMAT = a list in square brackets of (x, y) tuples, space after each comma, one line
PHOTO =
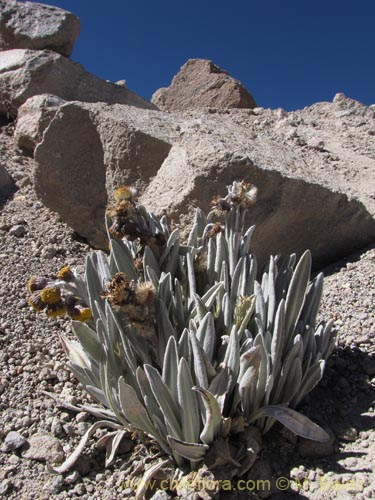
[(200, 262), (138, 264), (144, 293), (36, 283), (214, 230), (243, 193), (50, 295), (65, 274), (119, 290), (220, 206)]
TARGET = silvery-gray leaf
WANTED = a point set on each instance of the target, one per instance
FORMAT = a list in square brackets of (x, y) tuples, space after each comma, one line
[(296, 293), (71, 460), (200, 370), (123, 259), (112, 446), (163, 396), (232, 358), (173, 238), (88, 339), (149, 260), (188, 402), (170, 367), (190, 451), (213, 416), (134, 411), (206, 334), (296, 422), (146, 478)]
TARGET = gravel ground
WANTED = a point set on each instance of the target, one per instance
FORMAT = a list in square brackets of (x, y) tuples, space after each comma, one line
[(35, 241)]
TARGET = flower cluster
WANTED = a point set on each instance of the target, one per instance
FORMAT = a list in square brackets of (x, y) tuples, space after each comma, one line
[(242, 194), (130, 297), (130, 220), (58, 297)]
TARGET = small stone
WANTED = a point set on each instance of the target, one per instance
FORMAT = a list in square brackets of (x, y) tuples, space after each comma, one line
[(83, 427), (99, 477), (80, 489), (344, 112), (25, 181), (315, 143), (47, 374), (63, 375), (127, 492), (56, 427), (49, 252), (45, 448), (82, 416), (55, 485), (4, 487), (14, 459), (13, 441), (19, 230), (346, 434), (161, 495)]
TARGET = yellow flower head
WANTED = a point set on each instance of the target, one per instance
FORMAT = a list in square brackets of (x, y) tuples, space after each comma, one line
[(50, 295), (36, 283), (65, 274), (124, 193), (80, 313), (56, 309)]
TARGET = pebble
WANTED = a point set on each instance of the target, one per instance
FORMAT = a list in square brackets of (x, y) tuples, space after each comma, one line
[(19, 230), (5, 487), (82, 416), (44, 447), (54, 485), (346, 434), (161, 495), (13, 441), (80, 489)]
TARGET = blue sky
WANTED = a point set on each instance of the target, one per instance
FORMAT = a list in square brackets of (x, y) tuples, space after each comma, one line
[(287, 53)]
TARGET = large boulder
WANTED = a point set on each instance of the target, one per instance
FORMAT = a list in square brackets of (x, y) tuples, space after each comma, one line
[(202, 84), (87, 151), (30, 25), (315, 178), (26, 73), (33, 117)]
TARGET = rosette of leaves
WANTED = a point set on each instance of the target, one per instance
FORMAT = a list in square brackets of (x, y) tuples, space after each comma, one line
[(213, 348)]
